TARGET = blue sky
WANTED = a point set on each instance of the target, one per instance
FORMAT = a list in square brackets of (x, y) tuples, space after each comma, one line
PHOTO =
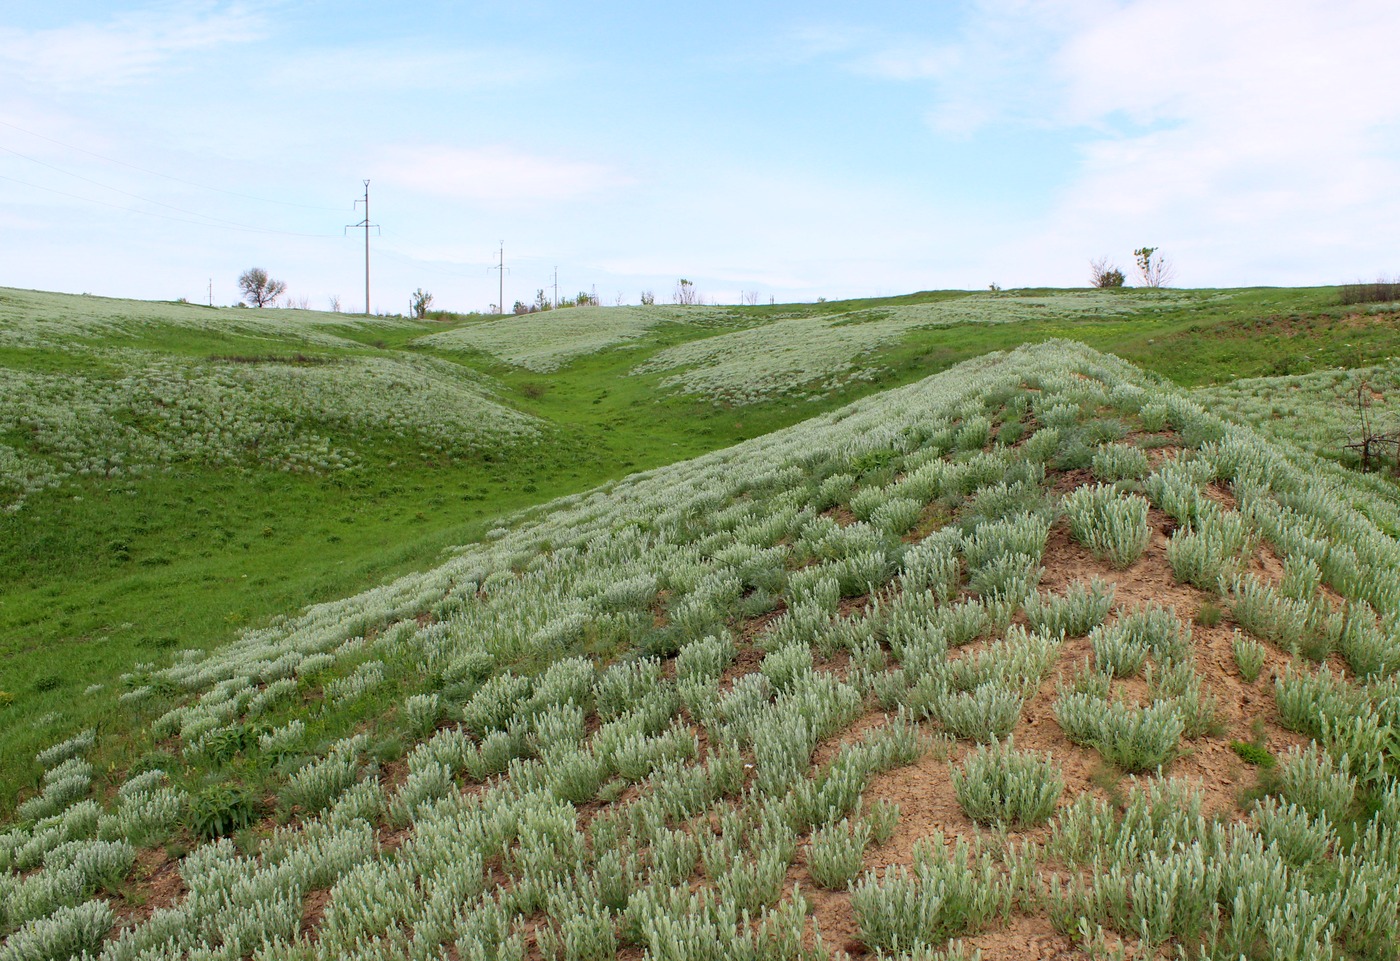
[(792, 150)]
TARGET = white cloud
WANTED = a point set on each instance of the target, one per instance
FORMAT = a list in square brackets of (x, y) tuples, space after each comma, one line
[(1255, 139), (124, 49), (495, 175), (1270, 160)]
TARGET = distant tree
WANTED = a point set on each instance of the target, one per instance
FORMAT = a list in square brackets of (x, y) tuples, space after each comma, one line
[(685, 292), (521, 307), (541, 300), (648, 298), (335, 303), (1105, 274), (420, 302), (258, 288), (1154, 268)]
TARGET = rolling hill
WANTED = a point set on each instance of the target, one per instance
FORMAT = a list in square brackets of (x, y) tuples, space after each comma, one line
[(1036, 656)]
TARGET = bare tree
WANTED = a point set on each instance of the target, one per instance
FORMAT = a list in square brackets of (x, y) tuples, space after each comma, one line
[(420, 301), (685, 292), (750, 297), (1154, 268), (648, 298), (258, 288), (335, 303), (1105, 274)]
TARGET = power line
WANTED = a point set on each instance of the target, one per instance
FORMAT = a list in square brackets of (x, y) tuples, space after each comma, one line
[(157, 173)]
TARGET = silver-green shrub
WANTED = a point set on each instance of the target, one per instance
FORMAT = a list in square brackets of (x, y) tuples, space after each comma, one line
[(1249, 656), (836, 853), (945, 894), (1314, 781), (1113, 526), (1082, 607), (1133, 738), (996, 784)]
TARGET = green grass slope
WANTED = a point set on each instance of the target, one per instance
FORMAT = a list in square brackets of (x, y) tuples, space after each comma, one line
[(869, 683), (172, 473)]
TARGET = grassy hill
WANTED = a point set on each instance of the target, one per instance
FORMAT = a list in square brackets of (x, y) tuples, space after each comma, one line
[(867, 681)]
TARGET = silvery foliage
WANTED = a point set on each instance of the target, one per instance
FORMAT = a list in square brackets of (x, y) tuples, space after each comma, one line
[(670, 561)]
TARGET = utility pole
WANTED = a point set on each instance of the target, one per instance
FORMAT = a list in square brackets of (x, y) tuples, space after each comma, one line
[(556, 287), (501, 295), (365, 224)]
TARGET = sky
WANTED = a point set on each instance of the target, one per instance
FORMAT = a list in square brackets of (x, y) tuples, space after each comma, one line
[(776, 150)]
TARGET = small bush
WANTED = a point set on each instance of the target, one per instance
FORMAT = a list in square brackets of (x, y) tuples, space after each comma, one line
[(837, 853), (221, 809), (1133, 738), (997, 784), (1114, 527), (1119, 462), (1310, 778), (1075, 613), (1249, 657), (1383, 290)]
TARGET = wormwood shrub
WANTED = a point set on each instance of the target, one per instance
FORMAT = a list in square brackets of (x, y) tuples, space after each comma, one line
[(836, 852), (985, 713), (1300, 837), (1019, 661), (1076, 612), (1371, 650), (1208, 553), (932, 565), (1249, 656), (68, 932), (421, 713), (1179, 686), (1311, 779), (316, 786), (1311, 627), (1176, 485), (1117, 651), (1005, 580), (944, 895), (883, 817), (1305, 698), (896, 515), (1364, 742), (1114, 527), (1119, 462), (997, 784), (1165, 635), (1133, 738)]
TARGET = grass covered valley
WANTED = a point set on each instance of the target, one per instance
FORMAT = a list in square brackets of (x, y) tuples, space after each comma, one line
[(1033, 623)]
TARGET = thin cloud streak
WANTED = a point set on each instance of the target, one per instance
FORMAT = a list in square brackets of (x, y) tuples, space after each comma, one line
[(125, 49)]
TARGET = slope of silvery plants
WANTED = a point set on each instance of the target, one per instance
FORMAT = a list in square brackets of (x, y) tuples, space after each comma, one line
[(1035, 651)]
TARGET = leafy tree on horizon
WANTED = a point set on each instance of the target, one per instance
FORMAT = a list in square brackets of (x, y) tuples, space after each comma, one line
[(258, 288)]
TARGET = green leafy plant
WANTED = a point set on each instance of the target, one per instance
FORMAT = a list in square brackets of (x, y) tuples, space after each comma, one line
[(221, 809)]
